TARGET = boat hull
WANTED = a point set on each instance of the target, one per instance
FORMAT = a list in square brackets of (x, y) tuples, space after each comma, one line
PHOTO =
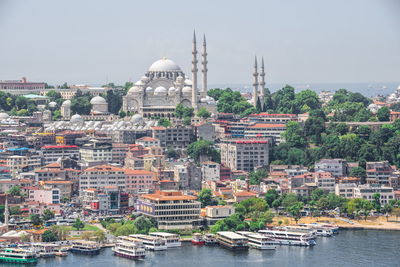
[(233, 247), (129, 256), (197, 242), (86, 252), (22, 261)]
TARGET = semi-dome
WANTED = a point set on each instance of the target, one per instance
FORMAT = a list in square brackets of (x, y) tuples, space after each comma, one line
[(139, 83), (180, 79), (98, 100), (164, 64), (144, 79), (160, 91), (66, 103), (171, 90), (134, 89), (76, 118), (52, 104), (188, 82), (137, 118), (187, 90), (4, 116), (149, 89)]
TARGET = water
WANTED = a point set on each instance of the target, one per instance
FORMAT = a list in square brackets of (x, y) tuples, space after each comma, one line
[(350, 248)]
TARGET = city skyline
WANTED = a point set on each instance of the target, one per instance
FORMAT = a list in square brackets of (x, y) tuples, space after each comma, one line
[(99, 42)]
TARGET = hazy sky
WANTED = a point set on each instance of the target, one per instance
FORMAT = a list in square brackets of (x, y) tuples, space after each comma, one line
[(88, 41)]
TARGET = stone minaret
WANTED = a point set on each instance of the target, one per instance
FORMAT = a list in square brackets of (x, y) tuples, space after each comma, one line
[(6, 212), (262, 82), (204, 64), (194, 73), (255, 83)]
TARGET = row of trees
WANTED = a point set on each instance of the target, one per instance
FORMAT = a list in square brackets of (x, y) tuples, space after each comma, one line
[(140, 225), (16, 105), (230, 101)]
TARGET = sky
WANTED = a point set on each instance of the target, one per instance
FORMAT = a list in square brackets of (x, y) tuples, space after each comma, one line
[(99, 41)]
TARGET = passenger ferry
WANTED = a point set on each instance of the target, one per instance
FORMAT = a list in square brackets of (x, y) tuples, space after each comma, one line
[(320, 230), (151, 242), (44, 250), (85, 247), (333, 228), (291, 238), (258, 241), (210, 239), (232, 240), (15, 255), (173, 240), (198, 239), (129, 247), (299, 228)]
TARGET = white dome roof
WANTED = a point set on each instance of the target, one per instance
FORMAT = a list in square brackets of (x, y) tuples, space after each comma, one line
[(98, 100), (66, 103), (139, 83), (76, 118), (164, 64), (144, 79), (188, 82), (187, 90), (149, 89), (179, 79), (134, 89), (171, 90), (160, 91), (4, 116), (137, 118), (52, 104)]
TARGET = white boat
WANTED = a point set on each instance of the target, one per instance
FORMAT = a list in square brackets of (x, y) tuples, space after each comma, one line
[(285, 237), (44, 250), (129, 247), (232, 240), (258, 241), (173, 240), (151, 242), (210, 239), (320, 230)]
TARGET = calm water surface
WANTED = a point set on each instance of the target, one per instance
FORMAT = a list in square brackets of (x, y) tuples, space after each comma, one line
[(349, 248)]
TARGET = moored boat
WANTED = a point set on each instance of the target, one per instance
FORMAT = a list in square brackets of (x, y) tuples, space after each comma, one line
[(198, 239), (173, 240), (151, 242), (258, 241), (291, 238), (210, 239), (232, 240), (85, 247), (15, 255), (130, 248)]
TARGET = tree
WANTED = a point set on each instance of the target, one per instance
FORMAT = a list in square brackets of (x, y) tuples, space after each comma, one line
[(387, 208), (203, 113), (271, 196), (289, 200), (49, 236), (15, 190), (206, 198), (295, 210), (317, 194), (293, 135), (36, 220), (358, 172), (78, 224), (187, 120), (48, 215), (114, 101), (164, 122), (171, 153), (203, 148), (383, 114), (126, 229), (183, 112), (376, 201), (143, 224), (256, 176)]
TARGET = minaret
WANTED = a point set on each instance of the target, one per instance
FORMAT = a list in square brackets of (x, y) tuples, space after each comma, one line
[(255, 83), (194, 72), (262, 82), (204, 63), (6, 212)]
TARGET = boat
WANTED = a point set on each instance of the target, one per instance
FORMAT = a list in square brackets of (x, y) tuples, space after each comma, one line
[(232, 240), (44, 250), (85, 247), (320, 230), (301, 228), (151, 242), (61, 253), (258, 241), (173, 240), (198, 239), (15, 255), (210, 239), (287, 237), (130, 248)]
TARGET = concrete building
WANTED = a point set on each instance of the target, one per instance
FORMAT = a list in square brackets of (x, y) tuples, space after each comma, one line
[(367, 191), (96, 152), (148, 141), (216, 213), (177, 137), (170, 209), (378, 172), (338, 167), (44, 195), (244, 154), (22, 87), (139, 181), (325, 181), (210, 171), (98, 177), (53, 153)]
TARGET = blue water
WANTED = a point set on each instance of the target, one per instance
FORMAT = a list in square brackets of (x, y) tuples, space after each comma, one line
[(353, 248)]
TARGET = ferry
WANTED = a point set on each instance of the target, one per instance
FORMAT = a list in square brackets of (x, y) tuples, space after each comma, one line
[(299, 228), (85, 247), (210, 239), (129, 247), (319, 229), (61, 253), (333, 228), (198, 239), (44, 250), (232, 240), (173, 240), (258, 241), (15, 255), (151, 242), (291, 238)]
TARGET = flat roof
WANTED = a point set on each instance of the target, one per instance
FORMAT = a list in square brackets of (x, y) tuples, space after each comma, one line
[(231, 235)]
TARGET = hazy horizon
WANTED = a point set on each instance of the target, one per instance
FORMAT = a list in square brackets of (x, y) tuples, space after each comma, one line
[(304, 42)]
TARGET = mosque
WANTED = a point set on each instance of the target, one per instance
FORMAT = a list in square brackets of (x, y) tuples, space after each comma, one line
[(165, 85)]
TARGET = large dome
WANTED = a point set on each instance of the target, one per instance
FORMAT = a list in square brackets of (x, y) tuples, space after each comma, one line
[(98, 100), (160, 91), (4, 116), (66, 103), (164, 64), (76, 119)]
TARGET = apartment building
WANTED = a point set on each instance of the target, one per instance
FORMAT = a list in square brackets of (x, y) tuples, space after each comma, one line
[(44, 195), (337, 167), (210, 171), (53, 153), (139, 181), (177, 137), (244, 154), (96, 152), (379, 172), (100, 176), (170, 209), (325, 181), (271, 131), (367, 191), (148, 141)]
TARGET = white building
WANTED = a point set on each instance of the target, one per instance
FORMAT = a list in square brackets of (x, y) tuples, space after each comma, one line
[(337, 167), (101, 176), (210, 171)]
